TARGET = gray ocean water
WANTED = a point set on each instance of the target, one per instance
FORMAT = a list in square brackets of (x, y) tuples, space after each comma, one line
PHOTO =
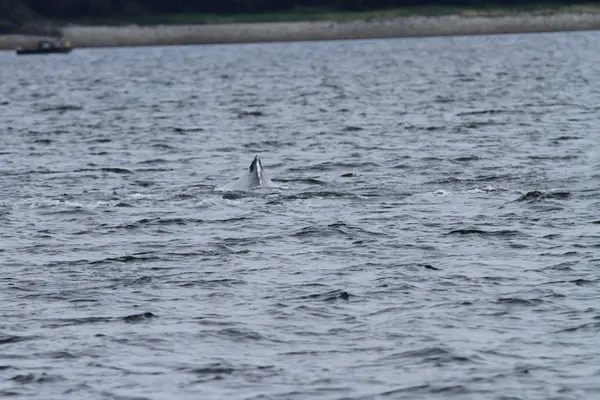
[(434, 232)]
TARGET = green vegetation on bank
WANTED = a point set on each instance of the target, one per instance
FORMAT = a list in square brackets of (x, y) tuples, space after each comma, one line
[(328, 15), (32, 16)]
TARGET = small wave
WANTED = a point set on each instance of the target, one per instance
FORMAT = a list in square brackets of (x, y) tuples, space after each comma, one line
[(481, 232), (154, 161), (486, 178), (236, 195), (484, 112), (319, 194), (214, 283), (124, 259), (100, 140), (213, 369), (402, 166), (161, 222), (83, 300), (581, 282), (153, 169), (76, 209), (537, 195), (485, 189), (330, 230), (139, 317), (519, 301), (428, 128), (250, 114), (179, 196), (328, 296), (592, 326), (309, 181), (226, 220), (43, 141), (226, 149), (437, 355), (353, 129), (476, 125), (143, 280), (105, 169), (33, 378), (554, 158), (57, 355), (62, 322), (331, 165), (183, 130), (428, 266), (242, 334), (216, 371), (564, 138), (58, 264), (62, 108), (163, 146), (466, 159), (445, 181), (269, 143), (116, 170), (424, 389), (11, 339)]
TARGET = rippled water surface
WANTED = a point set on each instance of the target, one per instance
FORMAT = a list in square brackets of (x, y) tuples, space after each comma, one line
[(434, 232)]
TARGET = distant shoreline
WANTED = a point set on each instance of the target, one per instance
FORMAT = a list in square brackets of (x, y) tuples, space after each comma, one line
[(447, 25)]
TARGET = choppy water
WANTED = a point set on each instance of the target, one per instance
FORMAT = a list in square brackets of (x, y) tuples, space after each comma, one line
[(435, 233)]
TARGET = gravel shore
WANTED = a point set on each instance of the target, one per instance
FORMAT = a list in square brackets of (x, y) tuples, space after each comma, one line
[(108, 36)]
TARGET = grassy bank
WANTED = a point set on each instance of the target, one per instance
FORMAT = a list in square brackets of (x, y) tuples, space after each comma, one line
[(302, 15)]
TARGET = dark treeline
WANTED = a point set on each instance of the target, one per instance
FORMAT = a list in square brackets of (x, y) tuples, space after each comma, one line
[(16, 12)]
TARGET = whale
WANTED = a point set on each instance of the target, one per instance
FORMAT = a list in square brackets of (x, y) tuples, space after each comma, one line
[(253, 177)]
